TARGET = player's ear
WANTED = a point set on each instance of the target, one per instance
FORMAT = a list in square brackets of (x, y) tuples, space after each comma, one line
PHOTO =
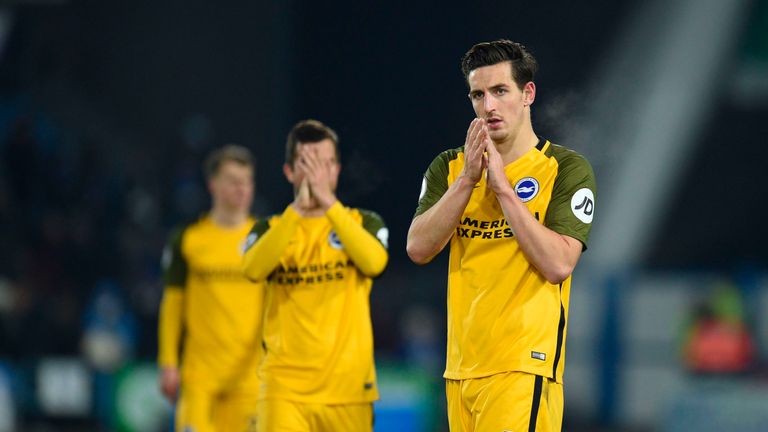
[(288, 171), (529, 93), (211, 185)]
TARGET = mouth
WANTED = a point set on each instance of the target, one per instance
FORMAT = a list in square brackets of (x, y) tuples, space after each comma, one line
[(494, 122)]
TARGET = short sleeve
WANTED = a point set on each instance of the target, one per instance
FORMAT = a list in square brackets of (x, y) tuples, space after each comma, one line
[(435, 181), (572, 206), (173, 262)]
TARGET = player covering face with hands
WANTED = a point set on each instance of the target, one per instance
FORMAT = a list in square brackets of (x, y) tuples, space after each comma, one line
[(317, 260), (315, 176)]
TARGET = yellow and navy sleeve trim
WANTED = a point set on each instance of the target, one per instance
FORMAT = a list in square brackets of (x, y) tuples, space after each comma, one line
[(174, 263), (259, 228), (435, 182), (366, 250), (374, 224), (263, 252)]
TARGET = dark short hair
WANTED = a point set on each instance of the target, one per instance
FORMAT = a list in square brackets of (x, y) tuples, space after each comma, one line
[(309, 131), (524, 65), (228, 153)]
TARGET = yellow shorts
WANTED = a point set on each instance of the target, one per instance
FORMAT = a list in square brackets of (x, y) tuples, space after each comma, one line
[(205, 405), (278, 415), (509, 401)]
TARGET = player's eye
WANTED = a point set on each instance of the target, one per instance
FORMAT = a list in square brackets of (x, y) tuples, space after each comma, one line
[(476, 95), (501, 91)]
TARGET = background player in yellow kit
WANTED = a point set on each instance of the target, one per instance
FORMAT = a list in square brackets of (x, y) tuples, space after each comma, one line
[(517, 210), (318, 259), (208, 299)]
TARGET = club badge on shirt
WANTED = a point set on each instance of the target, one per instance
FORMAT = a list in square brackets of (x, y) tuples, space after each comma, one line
[(334, 241), (527, 188)]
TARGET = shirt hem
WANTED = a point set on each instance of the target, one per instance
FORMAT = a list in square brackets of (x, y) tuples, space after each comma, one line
[(459, 376), (320, 400)]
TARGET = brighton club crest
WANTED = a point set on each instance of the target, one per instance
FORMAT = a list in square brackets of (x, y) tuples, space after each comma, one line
[(527, 188)]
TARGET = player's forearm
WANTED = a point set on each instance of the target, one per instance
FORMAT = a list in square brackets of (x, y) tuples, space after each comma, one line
[(363, 249), (547, 250), (170, 326), (431, 230), (262, 258)]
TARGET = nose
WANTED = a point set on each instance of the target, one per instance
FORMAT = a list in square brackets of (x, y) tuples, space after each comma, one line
[(489, 103)]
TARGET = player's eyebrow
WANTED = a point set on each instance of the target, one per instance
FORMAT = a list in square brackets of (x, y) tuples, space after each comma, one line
[(493, 87)]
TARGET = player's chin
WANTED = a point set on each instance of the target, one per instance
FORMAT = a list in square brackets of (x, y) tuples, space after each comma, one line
[(498, 135), (243, 204)]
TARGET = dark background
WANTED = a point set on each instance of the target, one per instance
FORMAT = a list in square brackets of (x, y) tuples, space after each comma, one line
[(107, 110), (113, 107)]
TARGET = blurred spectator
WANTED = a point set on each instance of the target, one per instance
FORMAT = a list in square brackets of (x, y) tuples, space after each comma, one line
[(718, 340), (109, 335), (7, 404), (421, 339)]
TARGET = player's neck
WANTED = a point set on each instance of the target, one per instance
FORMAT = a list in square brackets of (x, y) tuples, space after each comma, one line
[(228, 218), (512, 149)]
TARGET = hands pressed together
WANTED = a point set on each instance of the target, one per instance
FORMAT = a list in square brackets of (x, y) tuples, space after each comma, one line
[(316, 190), (480, 154)]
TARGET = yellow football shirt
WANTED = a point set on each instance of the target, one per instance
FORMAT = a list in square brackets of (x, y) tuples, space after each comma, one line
[(221, 309), (503, 315), (317, 328)]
